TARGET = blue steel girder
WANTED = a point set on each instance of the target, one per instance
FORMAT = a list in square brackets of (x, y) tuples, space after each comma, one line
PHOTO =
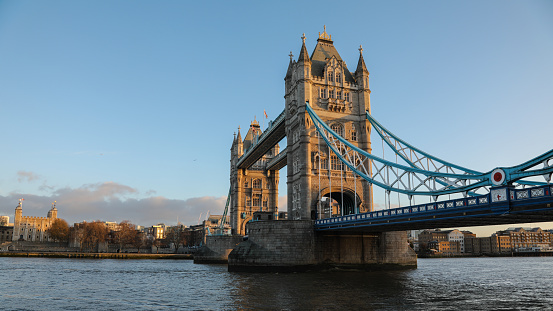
[(420, 159), (413, 180), (511, 206), (272, 135)]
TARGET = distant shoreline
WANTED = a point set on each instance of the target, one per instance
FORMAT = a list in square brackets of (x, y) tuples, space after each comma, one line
[(96, 255), (514, 254)]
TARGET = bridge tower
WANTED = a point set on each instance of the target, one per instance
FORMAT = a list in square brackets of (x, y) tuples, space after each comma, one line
[(254, 189), (340, 98)]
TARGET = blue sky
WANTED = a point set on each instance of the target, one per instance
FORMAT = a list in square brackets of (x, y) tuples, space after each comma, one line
[(127, 109)]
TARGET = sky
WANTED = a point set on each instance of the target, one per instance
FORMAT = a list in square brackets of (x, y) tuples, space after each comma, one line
[(125, 110)]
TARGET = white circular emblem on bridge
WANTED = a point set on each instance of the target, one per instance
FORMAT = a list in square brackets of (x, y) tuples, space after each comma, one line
[(497, 177)]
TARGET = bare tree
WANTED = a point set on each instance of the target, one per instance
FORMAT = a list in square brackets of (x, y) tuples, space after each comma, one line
[(93, 233), (126, 234), (59, 231), (139, 240), (157, 243), (176, 236)]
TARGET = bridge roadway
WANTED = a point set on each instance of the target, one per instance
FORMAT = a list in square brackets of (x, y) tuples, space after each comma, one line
[(274, 133), (501, 206)]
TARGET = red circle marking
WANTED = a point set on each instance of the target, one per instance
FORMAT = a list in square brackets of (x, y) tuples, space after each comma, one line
[(497, 177)]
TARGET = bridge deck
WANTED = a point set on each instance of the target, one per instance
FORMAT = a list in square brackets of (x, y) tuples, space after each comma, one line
[(274, 133), (511, 206)]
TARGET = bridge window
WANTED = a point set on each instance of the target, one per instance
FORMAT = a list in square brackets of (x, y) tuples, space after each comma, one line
[(265, 203), (256, 183), (353, 133), (257, 200), (331, 94), (346, 95), (330, 75), (338, 128), (338, 77), (248, 201), (323, 93), (339, 94), (324, 163), (335, 163)]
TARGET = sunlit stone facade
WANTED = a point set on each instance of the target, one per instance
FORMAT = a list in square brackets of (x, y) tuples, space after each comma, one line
[(30, 228)]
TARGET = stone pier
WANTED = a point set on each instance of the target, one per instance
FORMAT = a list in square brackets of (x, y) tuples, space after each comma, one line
[(217, 248), (292, 245)]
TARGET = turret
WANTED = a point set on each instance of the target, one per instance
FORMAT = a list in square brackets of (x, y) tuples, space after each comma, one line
[(19, 211), (239, 144), (304, 63), (53, 212), (362, 78), (361, 73)]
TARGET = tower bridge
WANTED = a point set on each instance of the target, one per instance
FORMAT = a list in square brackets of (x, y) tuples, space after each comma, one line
[(327, 122)]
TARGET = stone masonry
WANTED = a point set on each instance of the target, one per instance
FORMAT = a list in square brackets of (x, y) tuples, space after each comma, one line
[(340, 98)]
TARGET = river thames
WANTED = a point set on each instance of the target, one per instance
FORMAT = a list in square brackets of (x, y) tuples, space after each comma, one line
[(438, 284)]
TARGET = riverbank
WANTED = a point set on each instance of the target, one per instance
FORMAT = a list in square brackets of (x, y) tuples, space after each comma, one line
[(513, 254), (96, 255)]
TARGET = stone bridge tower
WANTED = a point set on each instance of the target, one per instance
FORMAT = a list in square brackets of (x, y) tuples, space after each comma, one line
[(254, 189), (340, 98)]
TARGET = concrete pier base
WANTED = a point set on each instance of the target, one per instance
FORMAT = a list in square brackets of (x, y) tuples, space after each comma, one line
[(290, 245), (216, 249)]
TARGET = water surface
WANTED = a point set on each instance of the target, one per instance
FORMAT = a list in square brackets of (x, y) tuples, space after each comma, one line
[(109, 284)]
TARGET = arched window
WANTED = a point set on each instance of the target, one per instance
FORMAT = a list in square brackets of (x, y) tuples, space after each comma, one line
[(338, 128), (331, 94), (256, 183), (330, 75), (338, 77), (339, 94), (346, 95), (353, 133), (248, 201)]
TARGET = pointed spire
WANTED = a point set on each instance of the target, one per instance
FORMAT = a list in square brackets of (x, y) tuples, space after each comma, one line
[(304, 56), (239, 137), (361, 63), (289, 71)]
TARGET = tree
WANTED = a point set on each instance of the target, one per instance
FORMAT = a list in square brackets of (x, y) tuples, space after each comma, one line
[(91, 234), (59, 230), (139, 240), (126, 234), (175, 235)]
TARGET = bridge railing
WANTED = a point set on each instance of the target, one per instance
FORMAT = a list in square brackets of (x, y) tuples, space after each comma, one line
[(272, 125), (429, 208)]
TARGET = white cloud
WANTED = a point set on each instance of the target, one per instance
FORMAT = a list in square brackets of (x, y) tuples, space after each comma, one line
[(108, 201)]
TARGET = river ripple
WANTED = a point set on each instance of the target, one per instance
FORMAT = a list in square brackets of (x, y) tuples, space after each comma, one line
[(438, 284)]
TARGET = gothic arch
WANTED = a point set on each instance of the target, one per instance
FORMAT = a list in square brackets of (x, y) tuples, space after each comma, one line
[(350, 198)]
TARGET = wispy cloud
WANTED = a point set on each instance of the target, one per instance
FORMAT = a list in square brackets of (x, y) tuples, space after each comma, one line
[(27, 176)]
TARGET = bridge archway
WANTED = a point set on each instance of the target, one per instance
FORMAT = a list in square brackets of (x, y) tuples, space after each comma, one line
[(337, 202)]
